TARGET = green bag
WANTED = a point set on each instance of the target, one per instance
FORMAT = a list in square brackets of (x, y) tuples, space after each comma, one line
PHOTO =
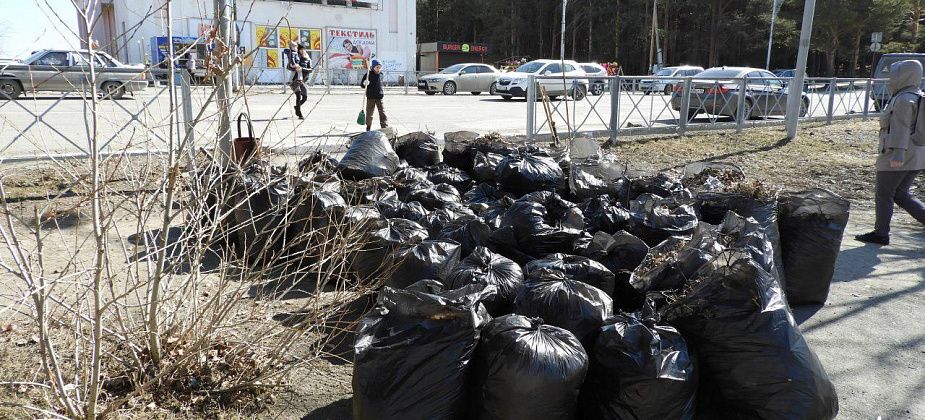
[(361, 117)]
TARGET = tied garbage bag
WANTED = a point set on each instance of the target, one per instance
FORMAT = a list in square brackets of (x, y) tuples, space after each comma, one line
[(525, 370), (369, 155), (319, 163), (470, 231), (261, 197), (310, 216), (376, 256), (484, 267), (606, 214), (523, 173), (457, 149), (494, 213), (391, 207), (578, 307), (575, 267), (419, 149), (812, 224), (662, 185), (597, 175), (484, 165), (654, 219), (668, 266), (445, 174), (753, 359), (621, 253), (639, 370), (367, 191), (430, 259), (482, 196), (543, 223), (434, 197), (413, 352), (438, 219)]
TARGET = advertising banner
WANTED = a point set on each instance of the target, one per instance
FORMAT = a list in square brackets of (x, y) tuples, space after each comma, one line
[(350, 48)]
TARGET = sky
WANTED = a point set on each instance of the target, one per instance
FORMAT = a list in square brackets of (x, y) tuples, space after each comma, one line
[(28, 25)]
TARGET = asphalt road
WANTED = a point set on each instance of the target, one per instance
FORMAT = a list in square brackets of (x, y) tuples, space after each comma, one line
[(50, 124)]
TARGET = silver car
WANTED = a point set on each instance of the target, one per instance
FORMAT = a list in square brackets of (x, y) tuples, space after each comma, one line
[(597, 77), (68, 71), (667, 86), (465, 77), (716, 91)]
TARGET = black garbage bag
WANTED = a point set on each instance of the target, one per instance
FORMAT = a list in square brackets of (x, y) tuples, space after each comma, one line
[(445, 174), (639, 370), (524, 173), (413, 352), (370, 155), (430, 259), (575, 267), (457, 149), (753, 359), (261, 198), (469, 231), (662, 185), (487, 268), (484, 165), (482, 196), (654, 219), (604, 213), (319, 163), (434, 197), (621, 253), (309, 219), (561, 301), (494, 212), (366, 191), (438, 219), (391, 207), (811, 224), (376, 257), (597, 175), (525, 370), (543, 223), (668, 266), (410, 175), (419, 149), (711, 176)]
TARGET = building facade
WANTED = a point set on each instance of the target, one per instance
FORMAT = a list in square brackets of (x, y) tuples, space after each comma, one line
[(342, 35)]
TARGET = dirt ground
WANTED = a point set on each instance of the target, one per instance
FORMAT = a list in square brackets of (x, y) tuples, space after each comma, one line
[(868, 335)]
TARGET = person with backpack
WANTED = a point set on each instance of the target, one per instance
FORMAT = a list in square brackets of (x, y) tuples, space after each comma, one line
[(299, 64), (372, 81), (902, 150)]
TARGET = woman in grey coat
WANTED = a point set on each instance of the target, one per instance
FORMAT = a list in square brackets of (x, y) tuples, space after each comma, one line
[(900, 159)]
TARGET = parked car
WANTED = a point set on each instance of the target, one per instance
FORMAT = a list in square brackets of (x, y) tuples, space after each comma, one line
[(597, 77), (667, 86), (716, 91), (516, 82), (881, 94), (67, 71), (465, 77)]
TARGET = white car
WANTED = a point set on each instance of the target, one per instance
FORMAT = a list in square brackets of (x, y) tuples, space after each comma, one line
[(597, 76), (516, 82), (466, 77), (667, 86)]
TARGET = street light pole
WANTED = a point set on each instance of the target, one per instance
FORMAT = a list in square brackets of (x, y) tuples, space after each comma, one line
[(774, 9), (794, 95)]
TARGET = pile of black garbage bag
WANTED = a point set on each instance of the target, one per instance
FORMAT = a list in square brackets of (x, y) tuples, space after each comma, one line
[(518, 282)]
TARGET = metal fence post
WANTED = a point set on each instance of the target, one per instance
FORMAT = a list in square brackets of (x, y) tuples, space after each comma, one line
[(531, 108), (186, 93), (831, 110), (867, 99), (614, 108), (740, 106), (685, 107), (407, 81)]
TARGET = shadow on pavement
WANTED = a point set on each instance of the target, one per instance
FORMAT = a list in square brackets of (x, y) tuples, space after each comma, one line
[(337, 410), (176, 251), (339, 332), (802, 313)]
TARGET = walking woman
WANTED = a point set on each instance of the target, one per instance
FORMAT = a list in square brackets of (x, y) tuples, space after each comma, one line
[(299, 64), (900, 159), (374, 95)]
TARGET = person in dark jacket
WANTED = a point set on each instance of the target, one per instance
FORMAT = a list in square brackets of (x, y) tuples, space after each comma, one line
[(299, 64), (374, 95), (900, 160)]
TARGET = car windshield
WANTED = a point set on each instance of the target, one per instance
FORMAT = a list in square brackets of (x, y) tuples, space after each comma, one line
[(34, 56), (883, 68), (665, 72), (531, 67), (452, 69), (718, 73)]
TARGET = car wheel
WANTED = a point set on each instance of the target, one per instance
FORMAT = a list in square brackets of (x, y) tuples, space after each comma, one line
[(646, 92), (430, 93), (668, 89), (804, 107), (579, 92), (112, 90), (476, 93), (10, 89), (597, 89), (493, 89), (506, 97), (749, 108), (449, 88)]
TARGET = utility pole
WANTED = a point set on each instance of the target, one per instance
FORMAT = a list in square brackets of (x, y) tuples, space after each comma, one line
[(774, 9), (794, 96), (223, 88), (652, 38)]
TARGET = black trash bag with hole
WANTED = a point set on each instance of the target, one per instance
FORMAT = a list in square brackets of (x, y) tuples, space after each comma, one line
[(543, 223), (445, 174), (654, 219), (621, 253), (575, 267), (413, 354), (434, 197), (561, 301), (598, 175), (469, 231), (438, 219), (604, 213), (668, 266), (524, 173), (812, 224), (370, 155), (711, 176), (419, 149), (391, 207), (429, 259), (376, 257), (484, 267), (261, 198), (754, 361), (639, 370), (484, 165), (526, 370), (662, 185)]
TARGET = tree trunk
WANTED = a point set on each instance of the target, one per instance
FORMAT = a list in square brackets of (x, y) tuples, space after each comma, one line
[(574, 34), (831, 53), (616, 33), (856, 53), (590, 22), (714, 22)]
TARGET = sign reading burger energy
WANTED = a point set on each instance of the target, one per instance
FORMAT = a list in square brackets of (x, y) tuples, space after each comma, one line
[(461, 47), (350, 48)]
